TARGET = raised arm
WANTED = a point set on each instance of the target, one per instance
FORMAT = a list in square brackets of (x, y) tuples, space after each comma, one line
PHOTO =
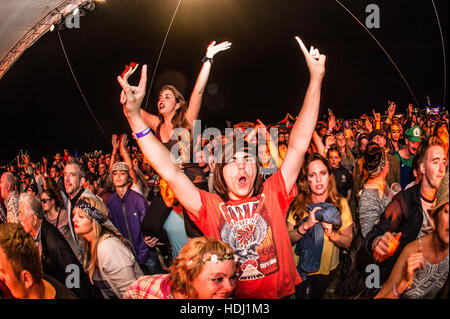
[(319, 144), (123, 143), (195, 101), (150, 119), (306, 121), (155, 152)]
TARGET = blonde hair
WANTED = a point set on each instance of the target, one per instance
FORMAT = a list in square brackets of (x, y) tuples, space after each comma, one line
[(100, 230), (189, 262)]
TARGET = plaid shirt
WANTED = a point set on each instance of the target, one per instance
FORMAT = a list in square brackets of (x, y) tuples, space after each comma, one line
[(150, 287), (2, 215)]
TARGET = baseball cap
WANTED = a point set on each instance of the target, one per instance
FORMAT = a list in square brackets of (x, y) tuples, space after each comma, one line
[(120, 166), (413, 134), (376, 132)]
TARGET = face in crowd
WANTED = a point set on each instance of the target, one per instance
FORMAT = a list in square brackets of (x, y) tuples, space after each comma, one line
[(334, 158), (380, 140), (73, 182), (53, 172), (340, 140), (318, 177), (433, 166), (102, 169), (167, 102), (216, 281), (363, 144), (120, 178), (395, 132), (412, 147), (82, 224), (240, 175)]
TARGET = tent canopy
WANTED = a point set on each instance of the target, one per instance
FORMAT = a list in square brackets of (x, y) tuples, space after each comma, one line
[(23, 22)]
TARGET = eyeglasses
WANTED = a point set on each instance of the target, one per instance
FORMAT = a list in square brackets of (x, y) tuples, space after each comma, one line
[(45, 200)]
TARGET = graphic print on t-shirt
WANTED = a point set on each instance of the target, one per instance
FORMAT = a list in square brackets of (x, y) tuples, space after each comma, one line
[(247, 229)]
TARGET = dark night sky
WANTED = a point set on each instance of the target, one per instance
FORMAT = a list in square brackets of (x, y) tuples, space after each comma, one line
[(262, 76)]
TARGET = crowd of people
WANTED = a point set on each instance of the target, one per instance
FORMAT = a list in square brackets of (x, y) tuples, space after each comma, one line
[(296, 215)]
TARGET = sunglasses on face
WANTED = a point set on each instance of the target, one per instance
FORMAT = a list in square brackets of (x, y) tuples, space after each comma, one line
[(45, 200)]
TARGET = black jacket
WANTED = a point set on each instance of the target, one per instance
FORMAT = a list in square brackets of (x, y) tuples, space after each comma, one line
[(403, 214), (57, 255)]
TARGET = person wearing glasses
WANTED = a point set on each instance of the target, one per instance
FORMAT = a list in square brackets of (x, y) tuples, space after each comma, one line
[(56, 214)]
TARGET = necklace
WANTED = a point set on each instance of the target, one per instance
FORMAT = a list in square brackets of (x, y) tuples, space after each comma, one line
[(426, 200)]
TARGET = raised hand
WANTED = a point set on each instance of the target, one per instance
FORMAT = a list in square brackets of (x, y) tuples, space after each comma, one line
[(314, 60), (391, 109), (368, 125), (331, 122), (129, 70), (115, 141), (123, 142), (134, 95), (214, 48), (376, 116)]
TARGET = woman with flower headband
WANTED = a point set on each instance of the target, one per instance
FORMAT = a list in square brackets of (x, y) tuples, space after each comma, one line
[(109, 261), (205, 268), (245, 213)]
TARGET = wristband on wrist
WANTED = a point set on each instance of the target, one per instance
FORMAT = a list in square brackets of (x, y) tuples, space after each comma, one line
[(375, 243), (396, 292), (206, 59), (141, 134), (298, 232)]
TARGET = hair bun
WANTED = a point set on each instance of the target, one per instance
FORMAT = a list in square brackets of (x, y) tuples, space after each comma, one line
[(372, 156)]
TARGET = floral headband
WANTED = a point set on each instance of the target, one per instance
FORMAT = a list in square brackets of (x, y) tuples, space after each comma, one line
[(91, 211), (216, 259)]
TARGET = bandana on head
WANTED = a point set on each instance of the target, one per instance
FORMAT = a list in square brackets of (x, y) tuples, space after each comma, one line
[(90, 210)]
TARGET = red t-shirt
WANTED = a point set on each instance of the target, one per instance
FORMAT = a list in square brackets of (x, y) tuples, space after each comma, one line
[(256, 229)]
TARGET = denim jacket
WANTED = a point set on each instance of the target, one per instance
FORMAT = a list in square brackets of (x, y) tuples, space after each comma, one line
[(310, 246)]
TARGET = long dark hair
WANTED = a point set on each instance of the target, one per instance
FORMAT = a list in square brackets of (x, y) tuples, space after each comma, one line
[(303, 198)]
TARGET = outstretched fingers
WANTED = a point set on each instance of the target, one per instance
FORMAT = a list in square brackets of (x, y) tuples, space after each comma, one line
[(214, 48), (143, 80)]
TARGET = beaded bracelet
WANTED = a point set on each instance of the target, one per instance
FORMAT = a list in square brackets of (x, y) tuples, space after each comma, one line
[(141, 134)]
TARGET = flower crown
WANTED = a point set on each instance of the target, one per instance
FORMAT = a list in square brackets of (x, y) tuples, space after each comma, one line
[(216, 259)]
